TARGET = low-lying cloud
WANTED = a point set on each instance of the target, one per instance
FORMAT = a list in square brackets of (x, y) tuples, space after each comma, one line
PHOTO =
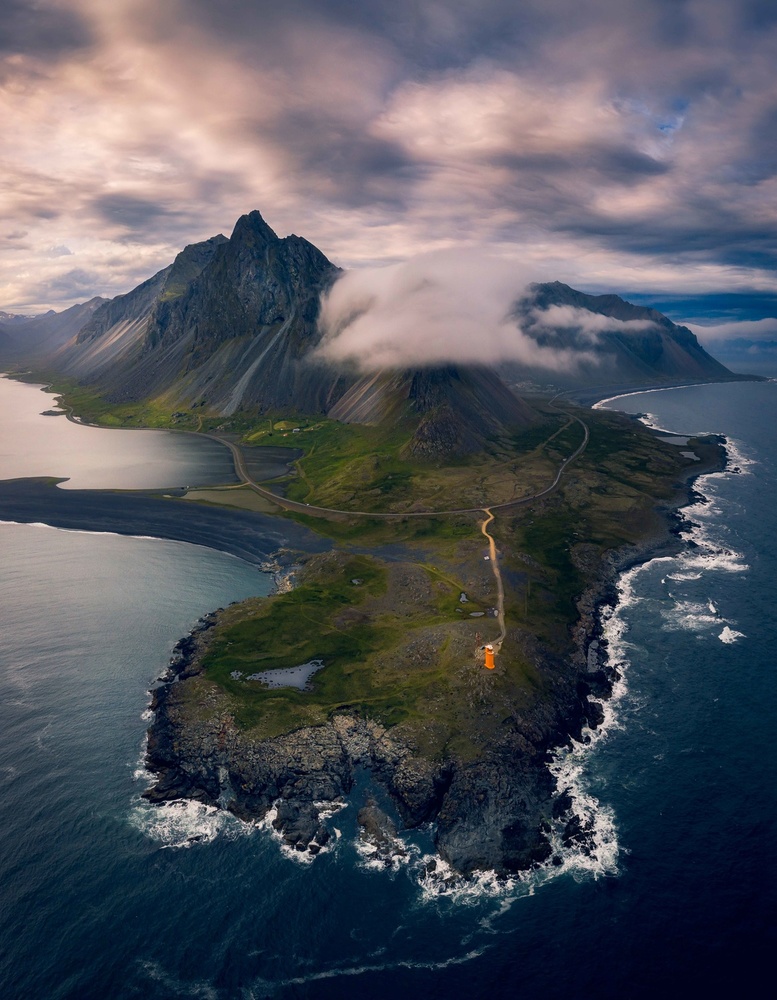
[(756, 329), (450, 306), (587, 325)]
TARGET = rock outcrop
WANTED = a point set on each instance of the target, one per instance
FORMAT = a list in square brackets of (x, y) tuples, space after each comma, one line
[(493, 813)]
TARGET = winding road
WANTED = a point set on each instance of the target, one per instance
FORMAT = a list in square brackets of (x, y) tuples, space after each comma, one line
[(500, 590), (304, 508), (315, 511)]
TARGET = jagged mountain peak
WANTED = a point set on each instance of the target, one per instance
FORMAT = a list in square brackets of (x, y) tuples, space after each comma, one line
[(189, 263), (232, 324), (252, 227)]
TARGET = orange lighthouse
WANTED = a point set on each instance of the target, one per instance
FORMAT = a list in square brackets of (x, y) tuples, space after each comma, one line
[(490, 657)]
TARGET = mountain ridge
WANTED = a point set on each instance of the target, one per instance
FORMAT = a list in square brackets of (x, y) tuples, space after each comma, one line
[(232, 324)]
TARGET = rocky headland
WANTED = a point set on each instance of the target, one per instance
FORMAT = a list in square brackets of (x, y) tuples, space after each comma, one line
[(498, 810)]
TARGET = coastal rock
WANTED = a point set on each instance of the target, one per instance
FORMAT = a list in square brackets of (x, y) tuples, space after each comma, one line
[(495, 811), (492, 814), (378, 834), (495, 816)]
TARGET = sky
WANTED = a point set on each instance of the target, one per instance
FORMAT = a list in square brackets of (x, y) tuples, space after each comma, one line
[(618, 145)]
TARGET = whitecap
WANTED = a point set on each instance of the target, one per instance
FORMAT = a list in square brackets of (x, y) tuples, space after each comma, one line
[(689, 615), (438, 880), (729, 635), (184, 823), (371, 858)]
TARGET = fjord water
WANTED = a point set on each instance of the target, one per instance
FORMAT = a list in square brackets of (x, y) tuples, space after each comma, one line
[(104, 896), (99, 458)]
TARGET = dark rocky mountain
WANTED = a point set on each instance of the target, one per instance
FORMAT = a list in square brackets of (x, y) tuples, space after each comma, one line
[(232, 324), (106, 348), (459, 407), (642, 346)]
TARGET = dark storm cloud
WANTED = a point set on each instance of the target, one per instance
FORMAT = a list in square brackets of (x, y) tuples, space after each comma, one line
[(343, 164), (73, 284), (634, 136), (428, 35), (130, 212), (30, 28), (622, 165)]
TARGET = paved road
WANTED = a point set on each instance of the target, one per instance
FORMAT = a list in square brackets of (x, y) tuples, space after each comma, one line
[(242, 472), (314, 511)]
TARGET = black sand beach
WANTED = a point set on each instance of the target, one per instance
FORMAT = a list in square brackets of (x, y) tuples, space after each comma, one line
[(252, 536)]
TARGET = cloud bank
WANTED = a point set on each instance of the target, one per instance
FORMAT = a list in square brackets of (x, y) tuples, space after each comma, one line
[(587, 325), (759, 329), (451, 307), (623, 145)]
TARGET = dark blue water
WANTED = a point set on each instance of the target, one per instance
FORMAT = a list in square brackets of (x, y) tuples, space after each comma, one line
[(103, 896)]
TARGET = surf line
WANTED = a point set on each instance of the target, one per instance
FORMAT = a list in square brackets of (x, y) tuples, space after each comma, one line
[(500, 590)]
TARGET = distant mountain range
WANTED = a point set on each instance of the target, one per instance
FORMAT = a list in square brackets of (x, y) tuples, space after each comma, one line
[(231, 325)]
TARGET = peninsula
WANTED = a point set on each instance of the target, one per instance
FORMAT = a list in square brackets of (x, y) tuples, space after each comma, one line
[(422, 512)]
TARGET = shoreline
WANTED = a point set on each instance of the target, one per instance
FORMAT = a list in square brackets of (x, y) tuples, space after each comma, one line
[(590, 398), (185, 762), (250, 535), (553, 722), (590, 828)]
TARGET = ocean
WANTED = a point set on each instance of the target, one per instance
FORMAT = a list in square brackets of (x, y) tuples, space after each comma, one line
[(104, 896)]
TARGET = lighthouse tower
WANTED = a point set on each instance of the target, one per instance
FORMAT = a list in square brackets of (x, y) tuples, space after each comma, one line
[(490, 657)]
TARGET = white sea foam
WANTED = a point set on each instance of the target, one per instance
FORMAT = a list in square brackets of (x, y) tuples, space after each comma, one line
[(598, 852), (82, 531), (184, 823), (265, 988), (705, 553), (729, 635), (141, 773), (328, 809), (442, 881), (372, 858), (602, 404), (175, 987), (736, 459), (690, 616), (708, 558)]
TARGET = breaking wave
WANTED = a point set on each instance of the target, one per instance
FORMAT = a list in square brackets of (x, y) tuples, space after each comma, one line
[(729, 635), (185, 823)]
